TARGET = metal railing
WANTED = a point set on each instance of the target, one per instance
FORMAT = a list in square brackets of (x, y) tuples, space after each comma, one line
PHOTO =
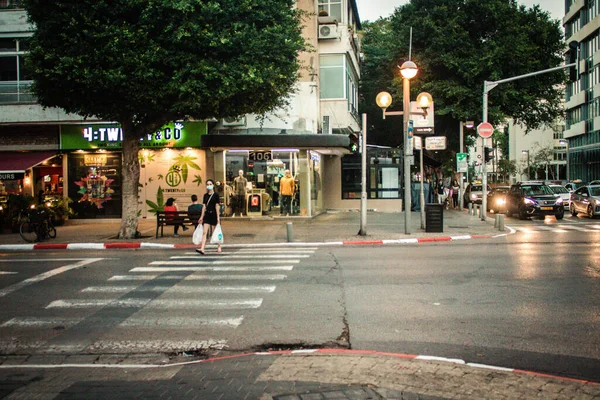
[(16, 92)]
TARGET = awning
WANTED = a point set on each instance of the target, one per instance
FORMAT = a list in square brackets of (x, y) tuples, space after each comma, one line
[(324, 143), (15, 161)]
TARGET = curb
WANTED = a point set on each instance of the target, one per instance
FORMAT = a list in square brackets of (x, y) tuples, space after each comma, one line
[(171, 246), (307, 352)]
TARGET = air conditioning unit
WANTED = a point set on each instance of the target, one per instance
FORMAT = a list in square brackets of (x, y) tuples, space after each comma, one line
[(329, 31), (327, 125), (234, 121)]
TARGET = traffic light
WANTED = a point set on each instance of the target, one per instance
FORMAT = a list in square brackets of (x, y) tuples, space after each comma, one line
[(488, 154), (574, 55), (354, 146)]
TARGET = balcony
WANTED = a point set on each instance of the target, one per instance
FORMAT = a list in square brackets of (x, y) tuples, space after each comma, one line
[(16, 92), (4, 4)]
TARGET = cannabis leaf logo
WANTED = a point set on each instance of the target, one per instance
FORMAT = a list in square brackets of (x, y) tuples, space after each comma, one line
[(198, 180), (183, 163), (159, 205)]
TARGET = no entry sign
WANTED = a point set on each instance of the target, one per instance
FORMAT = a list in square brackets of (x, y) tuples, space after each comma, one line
[(485, 130)]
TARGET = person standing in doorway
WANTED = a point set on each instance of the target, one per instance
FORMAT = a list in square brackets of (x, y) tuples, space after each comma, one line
[(170, 210), (287, 188), (240, 187), (210, 213)]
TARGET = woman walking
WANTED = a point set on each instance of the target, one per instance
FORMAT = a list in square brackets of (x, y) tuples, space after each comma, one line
[(210, 213)]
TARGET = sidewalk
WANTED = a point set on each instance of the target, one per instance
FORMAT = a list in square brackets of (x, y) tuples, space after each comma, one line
[(326, 228), (285, 375)]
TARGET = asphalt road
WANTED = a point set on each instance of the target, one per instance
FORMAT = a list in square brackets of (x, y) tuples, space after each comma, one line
[(528, 301)]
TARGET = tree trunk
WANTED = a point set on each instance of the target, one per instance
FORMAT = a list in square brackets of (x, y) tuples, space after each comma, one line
[(131, 178)]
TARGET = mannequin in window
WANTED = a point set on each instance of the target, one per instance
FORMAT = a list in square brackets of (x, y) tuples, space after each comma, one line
[(287, 187), (240, 184)]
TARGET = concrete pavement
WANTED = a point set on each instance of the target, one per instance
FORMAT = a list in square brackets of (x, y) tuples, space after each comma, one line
[(327, 228)]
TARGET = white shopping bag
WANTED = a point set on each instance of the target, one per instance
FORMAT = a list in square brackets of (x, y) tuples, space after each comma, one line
[(217, 236), (197, 237)]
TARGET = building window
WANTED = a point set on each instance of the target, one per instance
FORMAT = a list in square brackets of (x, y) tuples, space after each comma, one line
[(383, 175), (332, 7), (15, 78), (332, 76)]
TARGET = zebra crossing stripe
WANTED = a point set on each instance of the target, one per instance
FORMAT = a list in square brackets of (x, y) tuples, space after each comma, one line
[(221, 262), (181, 289), (216, 269), (158, 304), (8, 273), (180, 322), (194, 277), (281, 256), (40, 322)]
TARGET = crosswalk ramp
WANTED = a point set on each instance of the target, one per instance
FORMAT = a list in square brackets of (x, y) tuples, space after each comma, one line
[(203, 295), (558, 228)]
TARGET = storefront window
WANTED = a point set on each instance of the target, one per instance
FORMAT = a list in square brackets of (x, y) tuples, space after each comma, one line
[(95, 184), (383, 175), (316, 192)]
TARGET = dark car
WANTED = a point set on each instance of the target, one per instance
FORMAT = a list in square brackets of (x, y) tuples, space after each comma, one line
[(528, 199), (496, 199)]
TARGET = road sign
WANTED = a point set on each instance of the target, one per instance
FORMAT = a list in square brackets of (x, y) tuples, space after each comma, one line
[(418, 142), (435, 143), (485, 130), (424, 131), (410, 129), (461, 162), (421, 119)]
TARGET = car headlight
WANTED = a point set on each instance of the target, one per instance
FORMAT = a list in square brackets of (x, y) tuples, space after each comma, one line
[(500, 202), (559, 200), (529, 202), (473, 196)]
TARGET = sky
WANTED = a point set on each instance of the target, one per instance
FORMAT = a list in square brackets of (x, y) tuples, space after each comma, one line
[(373, 9)]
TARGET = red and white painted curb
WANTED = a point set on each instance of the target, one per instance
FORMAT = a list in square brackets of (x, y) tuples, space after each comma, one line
[(167, 246), (303, 352)]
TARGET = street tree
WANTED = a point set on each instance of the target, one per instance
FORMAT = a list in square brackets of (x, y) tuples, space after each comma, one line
[(457, 45), (144, 63), (507, 168)]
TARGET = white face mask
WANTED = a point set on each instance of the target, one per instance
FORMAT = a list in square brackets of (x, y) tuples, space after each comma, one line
[(209, 187)]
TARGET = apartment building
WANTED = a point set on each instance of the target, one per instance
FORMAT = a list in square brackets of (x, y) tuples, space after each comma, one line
[(49, 153)]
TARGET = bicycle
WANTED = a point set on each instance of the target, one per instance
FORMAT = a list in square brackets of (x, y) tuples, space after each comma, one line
[(37, 226)]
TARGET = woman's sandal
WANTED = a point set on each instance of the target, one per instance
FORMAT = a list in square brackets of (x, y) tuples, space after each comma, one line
[(200, 251)]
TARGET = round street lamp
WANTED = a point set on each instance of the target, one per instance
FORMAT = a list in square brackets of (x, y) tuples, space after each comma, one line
[(408, 69), (383, 100)]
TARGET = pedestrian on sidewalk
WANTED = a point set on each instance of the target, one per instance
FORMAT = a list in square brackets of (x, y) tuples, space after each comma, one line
[(171, 210), (440, 192), (195, 211), (287, 188), (210, 214), (455, 190)]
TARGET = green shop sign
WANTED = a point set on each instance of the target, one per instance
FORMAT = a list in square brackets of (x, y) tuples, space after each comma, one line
[(110, 136)]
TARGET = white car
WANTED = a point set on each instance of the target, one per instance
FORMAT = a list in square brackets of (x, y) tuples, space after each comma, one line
[(563, 193)]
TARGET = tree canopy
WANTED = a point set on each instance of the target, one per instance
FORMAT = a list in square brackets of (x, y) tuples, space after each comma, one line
[(457, 45), (145, 63)]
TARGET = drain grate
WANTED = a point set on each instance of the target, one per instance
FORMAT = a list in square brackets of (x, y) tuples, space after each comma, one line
[(243, 235)]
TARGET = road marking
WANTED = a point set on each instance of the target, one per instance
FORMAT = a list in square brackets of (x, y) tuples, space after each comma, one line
[(261, 251), (216, 269), (181, 322), (40, 322), (40, 259), (195, 277), (181, 289), (46, 275), (158, 304), (221, 262), (198, 256), (7, 273)]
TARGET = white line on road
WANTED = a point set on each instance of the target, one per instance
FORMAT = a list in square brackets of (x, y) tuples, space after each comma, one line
[(158, 304), (181, 322), (8, 273), (221, 262), (252, 256), (40, 322), (40, 259), (262, 250), (46, 275), (274, 277), (181, 289), (216, 269)]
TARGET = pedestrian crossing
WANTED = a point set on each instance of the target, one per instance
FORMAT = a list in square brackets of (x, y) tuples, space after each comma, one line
[(209, 293), (558, 228)]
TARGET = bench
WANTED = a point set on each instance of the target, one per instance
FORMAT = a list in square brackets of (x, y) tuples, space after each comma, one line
[(174, 218)]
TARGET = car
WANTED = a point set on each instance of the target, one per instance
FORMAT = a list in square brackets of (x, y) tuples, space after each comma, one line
[(496, 199), (474, 193), (594, 183), (586, 200), (563, 192), (574, 185), (528, 199)]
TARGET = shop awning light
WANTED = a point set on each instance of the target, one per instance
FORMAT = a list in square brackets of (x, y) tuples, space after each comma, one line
[(238, 151), (284, 150)]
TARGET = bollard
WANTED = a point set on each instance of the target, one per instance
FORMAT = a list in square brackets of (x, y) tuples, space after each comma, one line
[(496, 220), (478, 210), (290, 234), (470, 208), (501, 222)]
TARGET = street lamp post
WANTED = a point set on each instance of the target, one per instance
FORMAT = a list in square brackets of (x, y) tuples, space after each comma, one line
[(528, 170), (384, 99), (566, 143), (468, 125)]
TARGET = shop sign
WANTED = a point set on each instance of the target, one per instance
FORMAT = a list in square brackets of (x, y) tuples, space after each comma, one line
[(435, 143), (11, 176), (260, 156), (94, 159), (110, 136)]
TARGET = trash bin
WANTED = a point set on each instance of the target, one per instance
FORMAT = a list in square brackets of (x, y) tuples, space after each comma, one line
[(434, 217)]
